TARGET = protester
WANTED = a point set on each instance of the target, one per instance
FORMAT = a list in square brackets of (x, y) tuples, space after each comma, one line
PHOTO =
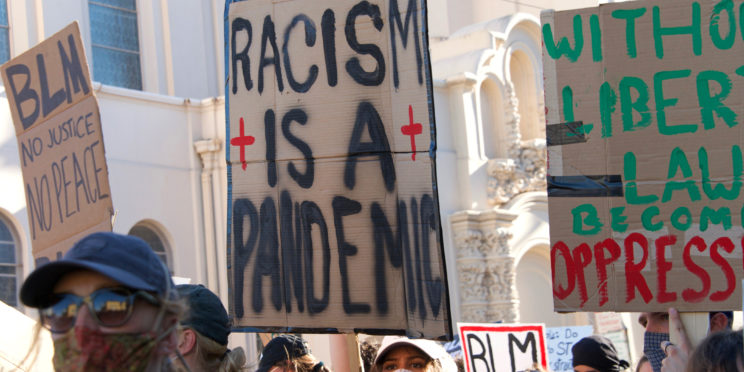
[(596, 354), (289, 353), (720, 320), (656, 326), (202, 339), (415, 355), (109, 303), (643, 365), (368, 351), (721, 351)]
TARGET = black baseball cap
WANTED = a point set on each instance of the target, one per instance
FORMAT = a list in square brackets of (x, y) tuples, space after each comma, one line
[(123, 258), (207, 315)]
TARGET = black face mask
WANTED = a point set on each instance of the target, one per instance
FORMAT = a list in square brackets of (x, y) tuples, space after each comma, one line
[(652, 348)]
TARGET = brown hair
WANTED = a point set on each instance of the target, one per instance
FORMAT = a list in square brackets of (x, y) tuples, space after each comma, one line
[(719, 352), (306, 363), (215, 357)]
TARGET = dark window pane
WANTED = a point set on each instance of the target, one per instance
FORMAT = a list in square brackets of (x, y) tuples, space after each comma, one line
[(7, 270), (126, 4), (152, 238), (7, 253), (8, 290), (4, 12), (113, 28), (4, 45), (118, 68), (5, 235)]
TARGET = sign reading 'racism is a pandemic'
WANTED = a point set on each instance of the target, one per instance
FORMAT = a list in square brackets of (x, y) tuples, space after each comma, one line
[(645, 159), (60, 143), (333, 212)]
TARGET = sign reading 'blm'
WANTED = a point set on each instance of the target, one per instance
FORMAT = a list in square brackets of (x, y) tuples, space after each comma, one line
[(503, 347), (333, 211), (645, 172), (60, 142)]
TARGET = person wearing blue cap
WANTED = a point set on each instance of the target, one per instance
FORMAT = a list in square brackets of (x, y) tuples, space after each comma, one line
[(202, 339), (109, 303)]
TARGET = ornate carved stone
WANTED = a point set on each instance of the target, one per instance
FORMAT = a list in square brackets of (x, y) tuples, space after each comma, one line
[(469, 243), (497, 243), (510, 177)]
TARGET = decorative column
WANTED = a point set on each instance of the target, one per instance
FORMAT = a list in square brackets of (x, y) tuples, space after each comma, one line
[(209, 153), (485, 266)]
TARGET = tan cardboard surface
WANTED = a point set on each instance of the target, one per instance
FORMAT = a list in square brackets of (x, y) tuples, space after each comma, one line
[(61, 150), (320, 172), (665, 129)]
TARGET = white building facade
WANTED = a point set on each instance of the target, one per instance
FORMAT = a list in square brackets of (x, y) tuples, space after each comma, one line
[(162, 113)]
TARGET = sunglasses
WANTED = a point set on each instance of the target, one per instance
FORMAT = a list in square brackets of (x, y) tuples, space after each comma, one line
[(109, 307)]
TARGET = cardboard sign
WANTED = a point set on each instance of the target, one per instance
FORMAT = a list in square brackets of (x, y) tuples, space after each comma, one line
[(645, 159), (60, 142), (333, 211), (503, 347), (560, 341)]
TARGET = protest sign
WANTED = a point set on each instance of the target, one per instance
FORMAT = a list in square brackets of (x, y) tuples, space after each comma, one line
[(645, 160), (502, 347), (560, 340), (333, 211), (60, 142)]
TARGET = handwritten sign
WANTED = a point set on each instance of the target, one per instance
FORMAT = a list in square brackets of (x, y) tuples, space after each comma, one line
[(560, 341), (503, 347), (58, 127), (645, 174), (333, 211)]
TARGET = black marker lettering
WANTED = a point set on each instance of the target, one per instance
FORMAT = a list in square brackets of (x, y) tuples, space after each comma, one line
[(309, 41), (240, 24), (353, 66)]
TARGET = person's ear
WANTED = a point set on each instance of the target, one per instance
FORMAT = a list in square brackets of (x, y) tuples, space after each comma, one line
[(186, 341), (718, 322)]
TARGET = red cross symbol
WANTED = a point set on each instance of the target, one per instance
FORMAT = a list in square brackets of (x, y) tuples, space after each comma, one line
[(242, 141), (412, 129)]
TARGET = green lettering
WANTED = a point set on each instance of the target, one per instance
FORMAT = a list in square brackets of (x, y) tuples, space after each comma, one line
[(568, 112), (662, 103), (719, 190), (710, 103), (694, 30), (678, 161), (607, 102), (596, 38), (591, 220), (640, 105), (715, 33), (629, 15), (681, 212), (564, 46), (631, 189), (646, 217), (617, 219), (721, 216)]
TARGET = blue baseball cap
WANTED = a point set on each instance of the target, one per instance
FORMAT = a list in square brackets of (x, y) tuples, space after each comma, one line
[(207, 315), (123, 258)]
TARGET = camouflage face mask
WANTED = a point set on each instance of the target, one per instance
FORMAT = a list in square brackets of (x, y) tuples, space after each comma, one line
[(82, 349)]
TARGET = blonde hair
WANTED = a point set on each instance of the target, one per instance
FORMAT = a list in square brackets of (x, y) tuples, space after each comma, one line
[(307, 363), (215, 357)]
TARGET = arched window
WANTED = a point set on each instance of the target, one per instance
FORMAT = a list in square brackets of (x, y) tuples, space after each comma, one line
[(153, 238), (522, 75), (9, 267), (492, 120)]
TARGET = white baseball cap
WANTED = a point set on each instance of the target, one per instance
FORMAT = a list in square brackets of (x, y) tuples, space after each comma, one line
[(430, 348)]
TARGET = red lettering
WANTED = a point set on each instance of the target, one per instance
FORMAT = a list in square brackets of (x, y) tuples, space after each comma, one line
[(582, 256), (728, 246), (689, 294), (558, 291), (633, 277), (602, 262), (662, 267)]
